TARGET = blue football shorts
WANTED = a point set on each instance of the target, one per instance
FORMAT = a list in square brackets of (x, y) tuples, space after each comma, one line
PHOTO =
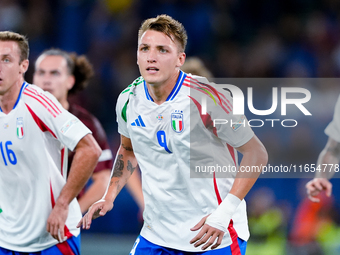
[(70, 247), (144, 247)]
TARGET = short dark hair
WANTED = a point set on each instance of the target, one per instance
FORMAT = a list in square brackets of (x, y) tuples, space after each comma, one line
[(167, 25), (21, 40)]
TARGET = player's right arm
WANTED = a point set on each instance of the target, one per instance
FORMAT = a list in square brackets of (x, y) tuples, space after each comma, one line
[(124, 165), (329, 156)]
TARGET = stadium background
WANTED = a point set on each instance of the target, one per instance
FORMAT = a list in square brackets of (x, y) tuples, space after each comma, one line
[(234, 38)]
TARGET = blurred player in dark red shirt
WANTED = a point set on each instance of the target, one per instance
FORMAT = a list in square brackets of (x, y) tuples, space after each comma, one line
[(63, 74)]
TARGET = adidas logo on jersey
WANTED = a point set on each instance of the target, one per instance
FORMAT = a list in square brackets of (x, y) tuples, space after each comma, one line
[(138, 122)]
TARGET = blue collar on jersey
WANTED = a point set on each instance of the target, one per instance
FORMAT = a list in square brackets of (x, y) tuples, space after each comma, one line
[(23, 86), (174, 91)]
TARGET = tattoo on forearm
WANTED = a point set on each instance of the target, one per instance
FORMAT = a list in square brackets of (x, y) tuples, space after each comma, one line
[(116, 182), (118, 188), (119, 166), (130, 167), (128, 148), (334, 149)]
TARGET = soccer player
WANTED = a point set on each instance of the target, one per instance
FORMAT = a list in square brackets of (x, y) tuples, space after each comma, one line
[(38, 209), (329, 155), (194, 65), (162, 128), (63, 74)]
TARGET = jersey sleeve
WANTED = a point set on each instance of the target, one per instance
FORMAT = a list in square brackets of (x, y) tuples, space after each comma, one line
[(51, 116), (121, 113), (333, 128), (230, 128)]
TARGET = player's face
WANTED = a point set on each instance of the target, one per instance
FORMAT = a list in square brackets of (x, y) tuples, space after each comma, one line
[(51, 74), (11, 70), (158, 58)]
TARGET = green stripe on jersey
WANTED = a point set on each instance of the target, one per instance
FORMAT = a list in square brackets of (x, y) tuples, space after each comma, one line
[(128, 89), (124, 111), (0, 210), (174, 124), (135, 83)]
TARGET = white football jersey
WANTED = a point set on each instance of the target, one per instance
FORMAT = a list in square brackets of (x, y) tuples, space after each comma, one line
[(333, 128), (31, 168), (170, 141)]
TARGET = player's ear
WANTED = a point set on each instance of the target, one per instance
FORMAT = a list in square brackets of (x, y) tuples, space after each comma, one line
[(23, 66), (70, 81), (181, 59)]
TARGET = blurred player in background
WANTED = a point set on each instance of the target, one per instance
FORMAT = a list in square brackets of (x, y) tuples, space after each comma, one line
[(63, 74), (195, 66), (329, 156), (154, 117), (38, 208)]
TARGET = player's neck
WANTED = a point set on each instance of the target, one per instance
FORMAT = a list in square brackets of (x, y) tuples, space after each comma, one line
[(9, 98), (160, 92), (64, 103)]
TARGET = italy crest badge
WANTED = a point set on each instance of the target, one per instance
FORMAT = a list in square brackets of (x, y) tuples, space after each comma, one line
[(177, 121), (20, 127)]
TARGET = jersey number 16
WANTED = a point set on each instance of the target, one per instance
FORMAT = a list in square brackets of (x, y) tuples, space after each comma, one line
[(10, 154)]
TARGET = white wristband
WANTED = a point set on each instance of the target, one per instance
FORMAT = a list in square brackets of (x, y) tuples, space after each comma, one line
[(221, 217)]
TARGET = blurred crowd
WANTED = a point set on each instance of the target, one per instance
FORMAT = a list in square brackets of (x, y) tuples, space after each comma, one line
[(235, 39)]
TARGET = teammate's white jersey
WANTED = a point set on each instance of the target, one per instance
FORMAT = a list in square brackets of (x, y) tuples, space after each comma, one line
[(333, 128), (169, 141), (31, 164)]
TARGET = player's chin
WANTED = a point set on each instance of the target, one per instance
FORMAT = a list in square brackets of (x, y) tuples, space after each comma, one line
[(152, 80)]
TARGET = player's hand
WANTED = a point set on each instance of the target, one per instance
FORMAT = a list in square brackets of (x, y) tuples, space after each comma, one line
[(99, 208), (315, 186), (207, 235), (56, 222)]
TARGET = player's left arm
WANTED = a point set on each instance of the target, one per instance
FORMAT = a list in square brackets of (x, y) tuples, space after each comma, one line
[(215, 225), (97, 189), (87, 153)]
